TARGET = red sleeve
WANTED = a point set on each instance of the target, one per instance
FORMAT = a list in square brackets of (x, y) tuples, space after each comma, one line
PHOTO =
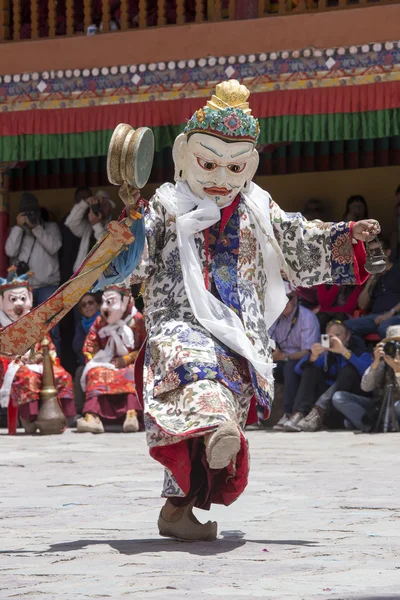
[(139, 331), (359, 259)]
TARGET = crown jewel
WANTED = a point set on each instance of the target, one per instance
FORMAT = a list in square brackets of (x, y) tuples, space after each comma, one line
[(227, 115)]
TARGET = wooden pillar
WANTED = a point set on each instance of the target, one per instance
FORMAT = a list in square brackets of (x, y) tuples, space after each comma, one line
[(246, 10), (4, 217)]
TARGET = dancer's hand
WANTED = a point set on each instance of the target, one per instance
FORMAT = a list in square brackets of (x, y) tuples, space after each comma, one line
[(366, 230)]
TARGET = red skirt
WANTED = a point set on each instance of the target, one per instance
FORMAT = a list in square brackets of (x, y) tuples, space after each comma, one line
[(188, 463), (112, 407)]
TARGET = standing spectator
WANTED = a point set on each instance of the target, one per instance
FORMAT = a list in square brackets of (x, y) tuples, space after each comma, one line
[(88, 221), (360, 411), (324, 372), (70, 242), (294, 333), (381, 295), (67, 256), (356, 209), (33, 245), (396, 232)]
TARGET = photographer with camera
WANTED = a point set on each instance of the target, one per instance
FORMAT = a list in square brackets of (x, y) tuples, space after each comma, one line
[(381, 297), (88, 221), (33, 245), (333, 365), (360, 412)]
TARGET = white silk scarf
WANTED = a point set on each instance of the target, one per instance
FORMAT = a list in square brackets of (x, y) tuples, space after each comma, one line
[(194, 215)]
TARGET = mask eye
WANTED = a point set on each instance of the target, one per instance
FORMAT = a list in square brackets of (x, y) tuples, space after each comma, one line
[(207, 165), (237, 168)]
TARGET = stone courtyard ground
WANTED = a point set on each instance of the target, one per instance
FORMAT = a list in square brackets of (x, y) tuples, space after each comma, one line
[(320, 519)]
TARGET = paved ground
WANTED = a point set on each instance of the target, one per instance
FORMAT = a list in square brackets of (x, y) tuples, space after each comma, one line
[(320, 519)]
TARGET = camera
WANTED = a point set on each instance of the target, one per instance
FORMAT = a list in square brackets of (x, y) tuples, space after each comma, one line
[(325, 341), (33, 217), (22, 268), (391, 348), (97, 209)]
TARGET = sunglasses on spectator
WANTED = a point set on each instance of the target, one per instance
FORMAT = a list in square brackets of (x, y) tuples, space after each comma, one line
[(88, 303)]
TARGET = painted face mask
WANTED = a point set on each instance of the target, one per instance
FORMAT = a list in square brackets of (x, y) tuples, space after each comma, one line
[(113, 306), (16, 303), (217, 169), (216, 153)]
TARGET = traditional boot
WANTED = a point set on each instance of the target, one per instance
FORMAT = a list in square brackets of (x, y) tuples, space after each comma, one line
[(222, 445), (181, 524), (292, 424), (89, 424), (29, 426), (131, 423), (312, 422)]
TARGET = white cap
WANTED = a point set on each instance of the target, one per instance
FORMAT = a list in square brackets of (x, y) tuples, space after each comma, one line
[(105, 196)]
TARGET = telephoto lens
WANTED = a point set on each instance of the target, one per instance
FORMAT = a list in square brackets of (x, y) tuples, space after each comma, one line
[(391, 348)]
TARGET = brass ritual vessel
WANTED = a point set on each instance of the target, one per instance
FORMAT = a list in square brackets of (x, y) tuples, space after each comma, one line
[(51, 419)]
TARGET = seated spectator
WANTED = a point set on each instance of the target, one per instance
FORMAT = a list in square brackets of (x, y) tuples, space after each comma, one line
[(332, 302), (381, 296), (323, 372), (313, 210), (88, 221), (356, 209), (111, 348), (360, 412), (33, 245), (21, 380), (395, 245), (89, 309), (294, 333)]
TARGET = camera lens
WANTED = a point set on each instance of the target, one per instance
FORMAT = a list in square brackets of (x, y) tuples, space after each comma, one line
[(390, 348)]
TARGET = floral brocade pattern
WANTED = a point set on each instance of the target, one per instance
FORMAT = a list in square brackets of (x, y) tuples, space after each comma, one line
[(27, 385), (102, 381), (179, 350)]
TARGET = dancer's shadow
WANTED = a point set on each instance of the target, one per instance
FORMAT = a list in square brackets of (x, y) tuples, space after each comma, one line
[(230, 540)]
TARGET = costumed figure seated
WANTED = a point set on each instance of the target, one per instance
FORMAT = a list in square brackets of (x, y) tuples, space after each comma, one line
[(216, 245), (110, 348), (21, 379)]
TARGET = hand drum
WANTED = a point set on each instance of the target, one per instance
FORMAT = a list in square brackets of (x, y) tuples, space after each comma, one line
[(130, 156)]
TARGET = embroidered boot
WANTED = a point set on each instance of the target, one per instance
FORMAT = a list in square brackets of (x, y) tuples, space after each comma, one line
[(222, 445), (131, 423), (181, 524), (89, 424)]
